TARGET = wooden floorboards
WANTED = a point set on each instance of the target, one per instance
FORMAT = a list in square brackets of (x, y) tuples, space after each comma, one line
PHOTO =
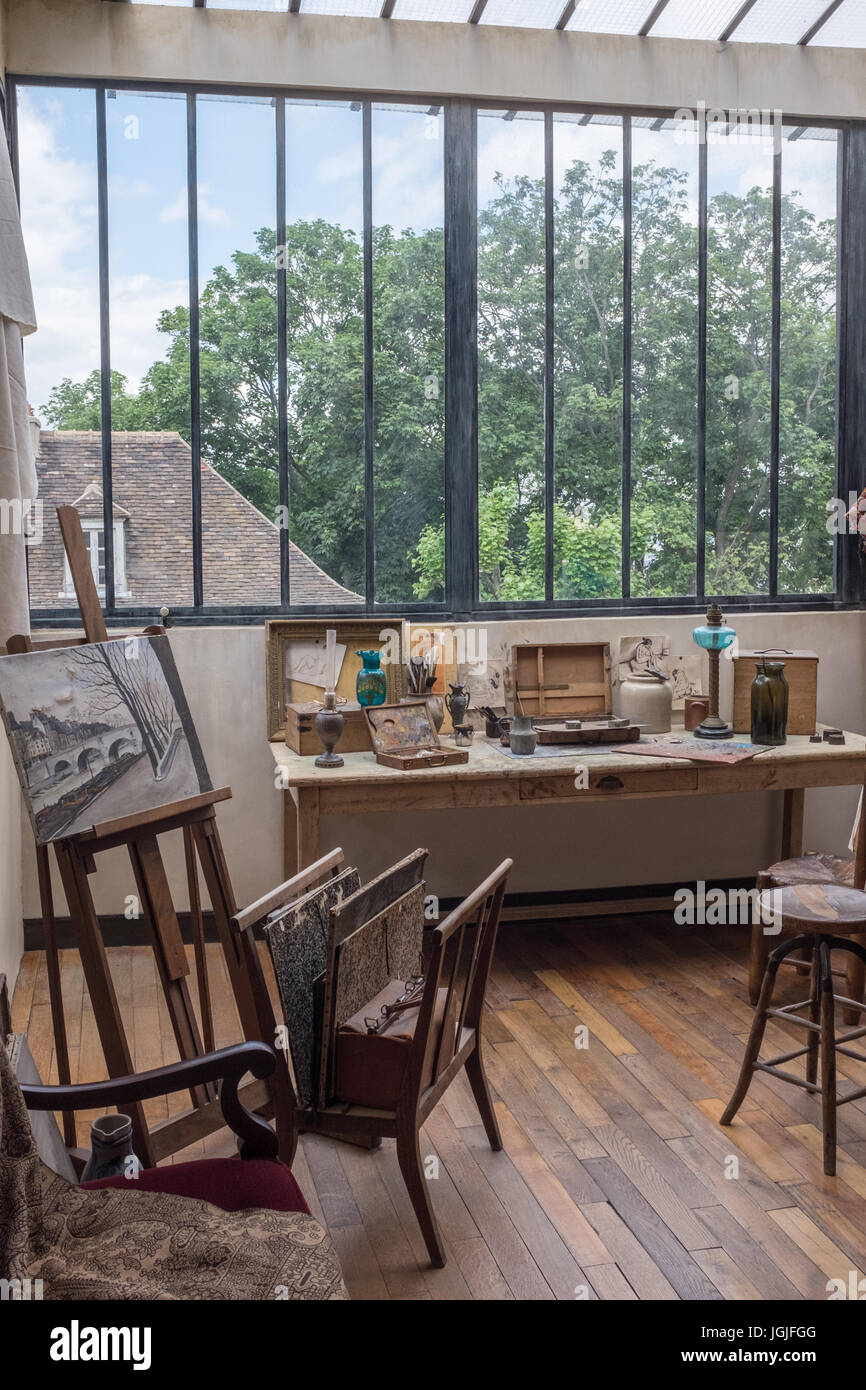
[(612, 1048)]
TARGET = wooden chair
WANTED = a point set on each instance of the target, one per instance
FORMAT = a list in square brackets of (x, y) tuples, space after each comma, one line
[(825, 917), (455, 987)]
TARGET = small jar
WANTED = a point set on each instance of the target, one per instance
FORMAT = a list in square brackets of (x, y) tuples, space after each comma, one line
[(111, 1154), (770, 704), (648, 701)]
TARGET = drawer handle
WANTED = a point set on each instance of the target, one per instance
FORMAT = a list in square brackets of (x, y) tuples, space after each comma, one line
[(609, 783)]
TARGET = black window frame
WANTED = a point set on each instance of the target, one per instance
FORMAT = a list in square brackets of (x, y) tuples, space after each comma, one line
[(461, 601)]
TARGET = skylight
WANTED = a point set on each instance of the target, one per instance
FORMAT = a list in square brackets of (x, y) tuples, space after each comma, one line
[(820, 22)]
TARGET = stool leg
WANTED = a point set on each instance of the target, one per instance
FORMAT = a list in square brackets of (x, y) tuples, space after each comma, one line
[(854, 986), (814, 1017), (828, 1062), (759, 949), (756, 1036)]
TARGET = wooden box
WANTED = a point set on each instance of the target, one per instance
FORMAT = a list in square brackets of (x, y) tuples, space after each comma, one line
[(301, 734), (801, 673), (404, 736), (562, 678)]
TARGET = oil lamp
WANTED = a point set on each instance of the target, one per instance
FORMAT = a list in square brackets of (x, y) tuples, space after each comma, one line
[(713, 637)]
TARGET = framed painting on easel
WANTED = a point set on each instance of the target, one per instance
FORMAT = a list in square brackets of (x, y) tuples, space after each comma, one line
[(99, 731)]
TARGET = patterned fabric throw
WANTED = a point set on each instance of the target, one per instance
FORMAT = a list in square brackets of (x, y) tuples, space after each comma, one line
[(119, 1244)]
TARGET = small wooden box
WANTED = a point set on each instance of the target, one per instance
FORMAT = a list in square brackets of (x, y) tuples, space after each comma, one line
[(562, 678), (404, 736), (301, 734), (801, 673)]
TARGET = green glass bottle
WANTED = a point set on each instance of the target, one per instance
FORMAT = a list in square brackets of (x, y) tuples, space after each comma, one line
[(769, 704)]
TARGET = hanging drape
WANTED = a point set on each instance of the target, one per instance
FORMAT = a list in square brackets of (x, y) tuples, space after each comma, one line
[(18, 483)]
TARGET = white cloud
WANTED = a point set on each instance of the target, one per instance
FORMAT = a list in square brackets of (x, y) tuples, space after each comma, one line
[(176, 210), (59, 218)]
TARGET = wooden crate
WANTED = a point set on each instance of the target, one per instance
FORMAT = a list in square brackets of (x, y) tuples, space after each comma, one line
[(801, 673), (301, 734), (562, 678)]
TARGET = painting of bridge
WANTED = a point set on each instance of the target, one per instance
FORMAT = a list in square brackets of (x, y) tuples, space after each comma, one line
[(99, 731)]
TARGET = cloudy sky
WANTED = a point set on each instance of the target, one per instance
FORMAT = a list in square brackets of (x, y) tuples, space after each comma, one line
[(236, 196)]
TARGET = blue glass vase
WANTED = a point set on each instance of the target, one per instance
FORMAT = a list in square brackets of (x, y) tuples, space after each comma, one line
[(371, 683)]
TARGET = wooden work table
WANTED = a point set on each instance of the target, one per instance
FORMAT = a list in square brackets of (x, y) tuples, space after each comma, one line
[(491, 778)]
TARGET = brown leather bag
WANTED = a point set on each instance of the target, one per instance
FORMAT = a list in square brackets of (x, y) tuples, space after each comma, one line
[(370, 1068)]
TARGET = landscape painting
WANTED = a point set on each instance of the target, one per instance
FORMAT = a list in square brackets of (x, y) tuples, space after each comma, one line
[(99, 731)]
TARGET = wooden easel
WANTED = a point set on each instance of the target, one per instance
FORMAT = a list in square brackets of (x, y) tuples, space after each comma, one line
[(76, 858)]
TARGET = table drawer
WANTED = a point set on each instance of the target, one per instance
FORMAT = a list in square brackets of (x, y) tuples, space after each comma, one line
[(606, 782)]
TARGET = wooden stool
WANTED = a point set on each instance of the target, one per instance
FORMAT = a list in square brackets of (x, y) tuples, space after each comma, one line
[(807, 868), (819, 912)]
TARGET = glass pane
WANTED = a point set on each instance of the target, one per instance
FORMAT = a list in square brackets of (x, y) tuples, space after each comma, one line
[(149, 316), (846, 28), (588, 249), (409, 346), (57, 160), (454, 11), (779, 21), (664, 360), (280, 5), (807, 442), (610, 16), (683, 19), (530, 14), (739, 342), (325, 351), (238, 349), (510, 356), (365, 8)]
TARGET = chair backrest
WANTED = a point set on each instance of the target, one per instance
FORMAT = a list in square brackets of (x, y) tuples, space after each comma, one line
[(460, 962)]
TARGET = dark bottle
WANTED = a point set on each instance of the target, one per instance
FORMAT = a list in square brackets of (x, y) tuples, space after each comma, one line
[(769, 704)]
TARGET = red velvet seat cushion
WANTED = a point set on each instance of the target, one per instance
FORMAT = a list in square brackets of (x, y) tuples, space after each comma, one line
[(234, 1184)]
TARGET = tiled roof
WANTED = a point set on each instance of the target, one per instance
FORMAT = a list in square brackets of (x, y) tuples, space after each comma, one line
[(152, 498)]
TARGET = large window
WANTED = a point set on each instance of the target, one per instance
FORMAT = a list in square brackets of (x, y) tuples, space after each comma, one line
[(263, 376)]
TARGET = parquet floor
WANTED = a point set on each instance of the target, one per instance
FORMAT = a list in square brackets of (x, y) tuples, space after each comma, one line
[(616, 1181)]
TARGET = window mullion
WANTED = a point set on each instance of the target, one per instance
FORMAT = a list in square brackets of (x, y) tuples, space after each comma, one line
[(775, 369), (625, 501), (548, 356), (104, 345)]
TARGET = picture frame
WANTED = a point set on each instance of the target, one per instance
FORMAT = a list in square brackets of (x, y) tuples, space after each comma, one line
[(99, 731), (353, 634)]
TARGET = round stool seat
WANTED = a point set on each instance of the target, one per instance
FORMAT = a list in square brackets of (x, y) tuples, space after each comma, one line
[(816, 908), (808, 868)]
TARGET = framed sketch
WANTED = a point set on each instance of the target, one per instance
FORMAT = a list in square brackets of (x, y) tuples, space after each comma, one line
[(642, 654), (99, 731), (295, 652)]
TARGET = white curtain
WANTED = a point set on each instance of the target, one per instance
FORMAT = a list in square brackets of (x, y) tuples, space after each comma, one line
[(18, 483)]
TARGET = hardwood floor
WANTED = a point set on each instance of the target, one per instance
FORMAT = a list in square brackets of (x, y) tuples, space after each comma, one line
[(616, 1181)]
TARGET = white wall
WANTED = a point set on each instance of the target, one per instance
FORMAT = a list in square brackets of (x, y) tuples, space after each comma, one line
[(669, 840)]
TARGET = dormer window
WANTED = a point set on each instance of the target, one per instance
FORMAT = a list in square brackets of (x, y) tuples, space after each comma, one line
[(94, 536)]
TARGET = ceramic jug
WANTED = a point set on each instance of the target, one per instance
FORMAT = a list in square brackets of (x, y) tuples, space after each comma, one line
[(457, 703), (522, 735), (111, 1153), (647, 700)]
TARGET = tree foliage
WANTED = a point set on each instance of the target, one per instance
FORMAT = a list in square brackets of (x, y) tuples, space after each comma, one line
[(325, 381)]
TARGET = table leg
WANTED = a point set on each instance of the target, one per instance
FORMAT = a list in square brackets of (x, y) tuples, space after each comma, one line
[(793, 807), (856, 980), (291, 864), (308, 826)]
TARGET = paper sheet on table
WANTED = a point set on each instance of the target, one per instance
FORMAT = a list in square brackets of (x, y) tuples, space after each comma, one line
[(307, 662)]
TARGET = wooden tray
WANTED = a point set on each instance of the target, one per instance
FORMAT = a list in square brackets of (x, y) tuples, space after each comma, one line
[(403, 736), (564, 679), (589, 733)]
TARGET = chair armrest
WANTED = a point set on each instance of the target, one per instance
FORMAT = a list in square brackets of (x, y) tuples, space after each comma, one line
[(228, 1065)]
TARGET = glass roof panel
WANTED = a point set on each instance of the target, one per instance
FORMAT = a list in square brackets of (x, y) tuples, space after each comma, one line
[(528, 14), (365, 9), (778, 21), (844, 29), (683, 19), (610, 16), (454, 11), (280, 5)]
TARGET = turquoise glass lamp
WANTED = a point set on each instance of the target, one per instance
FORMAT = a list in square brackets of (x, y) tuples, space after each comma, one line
[(713, 637)]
